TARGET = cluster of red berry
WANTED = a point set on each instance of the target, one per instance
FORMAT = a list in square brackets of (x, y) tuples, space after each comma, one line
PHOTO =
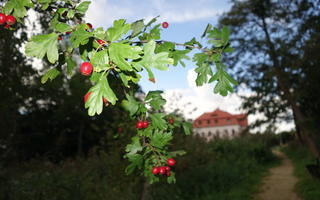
[(7, 20), (164, 170), (142, 124)]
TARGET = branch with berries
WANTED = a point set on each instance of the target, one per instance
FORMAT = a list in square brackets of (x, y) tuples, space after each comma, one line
[(122, 51)]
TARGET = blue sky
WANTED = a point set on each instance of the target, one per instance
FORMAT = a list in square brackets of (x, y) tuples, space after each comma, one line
[(187, 19)]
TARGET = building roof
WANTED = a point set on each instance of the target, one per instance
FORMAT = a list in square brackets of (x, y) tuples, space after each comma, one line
[(220, 118)]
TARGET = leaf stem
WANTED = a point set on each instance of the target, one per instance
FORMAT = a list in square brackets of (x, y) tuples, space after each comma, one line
[(158, 154)]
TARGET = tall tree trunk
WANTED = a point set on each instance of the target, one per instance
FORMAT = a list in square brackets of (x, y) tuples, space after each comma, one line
[(284, 86), (298, 130)]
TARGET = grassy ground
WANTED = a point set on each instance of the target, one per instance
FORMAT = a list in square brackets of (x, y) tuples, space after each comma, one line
[(235, 172), (307, 187)]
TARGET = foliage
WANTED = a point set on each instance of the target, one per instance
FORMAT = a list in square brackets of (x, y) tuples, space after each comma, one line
[(274, 56), (307, 187), (121, 52), (222, 169)]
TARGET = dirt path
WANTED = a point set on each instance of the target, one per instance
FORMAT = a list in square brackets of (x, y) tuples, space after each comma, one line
[(279, 185)]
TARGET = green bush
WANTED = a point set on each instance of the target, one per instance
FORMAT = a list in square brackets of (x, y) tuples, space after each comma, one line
[(221, 169), (307, 187)]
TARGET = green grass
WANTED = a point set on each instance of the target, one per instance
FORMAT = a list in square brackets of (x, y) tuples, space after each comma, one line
[(307, 187), (228, 170)]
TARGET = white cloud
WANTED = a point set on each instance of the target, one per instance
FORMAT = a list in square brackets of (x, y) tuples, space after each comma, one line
[(104, 12), (205, 100)]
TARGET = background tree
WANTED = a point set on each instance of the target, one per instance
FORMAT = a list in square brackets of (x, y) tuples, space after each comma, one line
[(275, 58)]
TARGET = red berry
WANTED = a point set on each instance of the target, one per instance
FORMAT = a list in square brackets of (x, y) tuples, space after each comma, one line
[(167, 168), (86, 68), (168, 173), (165, 25), (86, 97), (145, 124), (10, 20), (162, 170), (7, 26), (59, 37), (105, 101), (2, 18), (101, 42), (171, 161), (68, 33), (89, 25), (120, 130), (171, 121), (155, 170), (139, 125)]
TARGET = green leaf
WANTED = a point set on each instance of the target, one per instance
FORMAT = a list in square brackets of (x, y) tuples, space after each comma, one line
[(150, 59), (83, 7), (134, 147), (166, 47), (136, 28), (136, 161), (208, 28), (119, 53), (229, 50), (18, 7), (171, 178), (155, 100), (152, 21), (192, 42), (100, 90), (203, 72), (160, 139), (124, 79), (158, 121), (61, 10), (225, 33), (63, 27), (154, 33), (187, 128), (70, 14), (50, 74), (199, 58), (130, 105), (119, 28), (41, 45), (224, 81), (178, 55), (100, 59), (95, 77), (71, 64), (80, 36), (99, 33)]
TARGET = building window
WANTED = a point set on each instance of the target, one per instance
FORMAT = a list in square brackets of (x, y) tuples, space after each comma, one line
[(209, 134), (208, 121), (199, 122), (233, 132), (202, 134), (226, 131), (228, 120), (216, 121)]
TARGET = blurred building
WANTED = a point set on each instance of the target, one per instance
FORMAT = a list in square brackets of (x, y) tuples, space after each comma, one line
[(220, 124)]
